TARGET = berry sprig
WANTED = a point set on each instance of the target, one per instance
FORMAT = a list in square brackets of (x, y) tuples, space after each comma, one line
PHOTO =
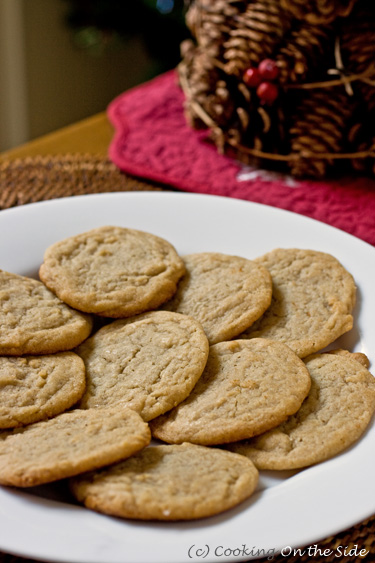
[(262, 79)]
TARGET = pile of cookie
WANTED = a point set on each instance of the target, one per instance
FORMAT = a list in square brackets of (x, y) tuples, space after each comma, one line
[(216, 357)]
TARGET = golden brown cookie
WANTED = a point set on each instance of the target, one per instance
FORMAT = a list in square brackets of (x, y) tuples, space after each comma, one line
[(34, 388), (69, 444), (248, 386), (34, 321), (181, 482), (335, 414), (112, 271), (359, 356), (312, 302), (149, 363), (226, 294)]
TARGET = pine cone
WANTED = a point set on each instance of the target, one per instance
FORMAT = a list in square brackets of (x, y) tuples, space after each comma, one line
[(210, 22), (318, 12), (208, 101), (299, 59), (358, 52), (303, 37), (365, 164), (357, 48), (319, 126), (255, 35)]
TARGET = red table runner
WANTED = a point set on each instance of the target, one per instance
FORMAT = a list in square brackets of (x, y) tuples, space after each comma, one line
[(152, 140)]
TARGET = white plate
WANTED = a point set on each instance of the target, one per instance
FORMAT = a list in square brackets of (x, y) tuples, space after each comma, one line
[(289, 509)]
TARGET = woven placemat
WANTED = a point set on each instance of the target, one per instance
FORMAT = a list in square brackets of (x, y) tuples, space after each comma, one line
[(42, 178), (47, 177)]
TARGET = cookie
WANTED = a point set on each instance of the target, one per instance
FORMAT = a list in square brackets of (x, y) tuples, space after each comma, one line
[(34, 388), (112, 271), (149, 363), (69, 444), (34, 321), (247, 387), (335, 414), (359, 356), (181, 482), (226, 294), (312, 303)]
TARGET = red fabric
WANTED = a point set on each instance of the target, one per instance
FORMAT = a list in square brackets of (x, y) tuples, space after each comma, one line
[(152, 140)]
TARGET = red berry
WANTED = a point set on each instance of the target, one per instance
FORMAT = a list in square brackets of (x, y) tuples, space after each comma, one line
[(267, 92), (251, 77), (268, 69)]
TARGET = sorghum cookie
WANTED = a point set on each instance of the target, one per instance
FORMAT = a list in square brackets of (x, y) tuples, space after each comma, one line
[(69, 444), (181, 482), (246, 387), (112, 271), (34, 388), (149, 363), (335, 414), (226, 294), (312, 303), (34, 321)]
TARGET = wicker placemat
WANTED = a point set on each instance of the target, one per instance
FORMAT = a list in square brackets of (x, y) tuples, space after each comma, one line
[(47, 177), (41, 178)]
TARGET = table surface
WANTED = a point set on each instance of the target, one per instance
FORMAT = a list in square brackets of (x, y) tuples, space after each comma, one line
[(91, 135)]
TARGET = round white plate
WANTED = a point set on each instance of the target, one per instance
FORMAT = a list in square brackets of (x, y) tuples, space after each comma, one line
[(289, 510)]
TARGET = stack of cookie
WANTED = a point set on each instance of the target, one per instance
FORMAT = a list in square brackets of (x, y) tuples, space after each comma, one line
[(216, 356)]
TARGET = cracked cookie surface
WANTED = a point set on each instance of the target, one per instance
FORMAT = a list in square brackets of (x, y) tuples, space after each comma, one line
[(312, 302), (112, 271), (34, 321), (149, 363), (334, 415), (169, 483), (69, 444), (226, 294), (34, 388), (246, 387)]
